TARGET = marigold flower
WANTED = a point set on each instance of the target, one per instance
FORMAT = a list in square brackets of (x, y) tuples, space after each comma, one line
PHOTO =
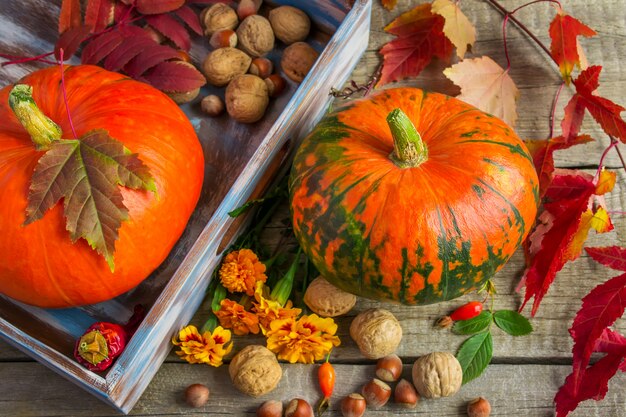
[(209, 347), (305, 340), (268, 310), (233, 315), (241, 270)]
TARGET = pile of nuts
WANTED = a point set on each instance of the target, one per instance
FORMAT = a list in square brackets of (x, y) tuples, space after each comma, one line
[(241, 40)]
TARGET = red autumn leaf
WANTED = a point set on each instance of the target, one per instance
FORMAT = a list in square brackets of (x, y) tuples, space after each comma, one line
[(122, 13), (148, 58), (101, 46), (70, 15), (187, 15), (99, 14), (611, 256), (610, 342), (601, 307), (564, 31), (70, 41), (573, 118), (127, 50), (420, 37), (542, 152), (174, 76), (570, 211), (158, 6), (171, 29), (389, 4)]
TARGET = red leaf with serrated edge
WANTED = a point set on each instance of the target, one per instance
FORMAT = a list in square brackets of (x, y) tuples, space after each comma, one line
[(171, 29), (610, 342), (191, 18), (589, 80), (542, 152), (148, 58), (158, 6), (573, 118), (127, 50), (420, 38), (122, 13), (70, 15), (174, 77), (612, 256), (70, 41), (101, 46), (99, 14), (564, 31), (601, 307)]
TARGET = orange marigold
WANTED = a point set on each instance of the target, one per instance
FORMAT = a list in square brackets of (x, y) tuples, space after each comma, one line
[(268, 310), (209, 348), (241, 270), (233, 315)]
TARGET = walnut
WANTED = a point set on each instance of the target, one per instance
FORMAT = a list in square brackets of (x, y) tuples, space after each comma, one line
[(437, 374), (247, 98), (255, 370), (218, 17), (327, 300), (376, 332), (224, 64), (297, 60), (255, 35), (290, 24)]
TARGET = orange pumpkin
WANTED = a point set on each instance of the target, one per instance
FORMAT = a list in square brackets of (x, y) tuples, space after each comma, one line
[(39, 264)]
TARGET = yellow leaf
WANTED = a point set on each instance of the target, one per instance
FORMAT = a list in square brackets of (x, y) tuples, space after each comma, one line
[(457, 28), (486, 85), (606, 182), (599, 221)]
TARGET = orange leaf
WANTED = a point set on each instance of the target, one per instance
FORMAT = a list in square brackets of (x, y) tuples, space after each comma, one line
[(457, 28), (389, 4), (70, 15), (420, 38), (564, 31)]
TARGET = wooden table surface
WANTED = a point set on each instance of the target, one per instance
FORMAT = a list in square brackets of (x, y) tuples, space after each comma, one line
[(525, 372)]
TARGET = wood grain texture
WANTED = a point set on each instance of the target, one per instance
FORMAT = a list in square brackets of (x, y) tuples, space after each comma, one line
[(525, 371)]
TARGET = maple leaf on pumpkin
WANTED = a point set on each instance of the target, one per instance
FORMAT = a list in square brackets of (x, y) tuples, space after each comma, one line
[(573, 206), (420, 37), (565, 48), (486, 85), (457, 28)]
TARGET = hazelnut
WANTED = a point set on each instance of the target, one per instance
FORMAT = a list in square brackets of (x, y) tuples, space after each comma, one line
[(298, 408), (197, 395), (405, 394), (217, 17), (437, 374), (224, 64), (255, 370), (297, 60), (223, 38), (290, 24), (376, 393), (327, 300), (246, 98), (212, 105), (275, 85), (478, 407), (248, 7), (353, 405), (255, 35), (389, 368), (271, 408), (261, 67), (376, 332)]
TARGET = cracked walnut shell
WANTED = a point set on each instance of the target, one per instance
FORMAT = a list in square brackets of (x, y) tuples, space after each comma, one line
[(255, 370), (327, 300)]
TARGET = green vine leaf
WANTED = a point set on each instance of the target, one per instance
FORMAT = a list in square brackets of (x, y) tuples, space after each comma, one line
[(512, 322), (85, 173), (474, 355), (474, 325)]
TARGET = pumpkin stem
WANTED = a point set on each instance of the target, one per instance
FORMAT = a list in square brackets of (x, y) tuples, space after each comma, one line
[(409, 150), (42, 130)]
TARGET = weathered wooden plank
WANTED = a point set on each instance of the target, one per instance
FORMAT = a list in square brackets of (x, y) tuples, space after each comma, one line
[(513, 390)]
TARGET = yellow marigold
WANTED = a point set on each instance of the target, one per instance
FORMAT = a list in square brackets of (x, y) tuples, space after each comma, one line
[(241, 270), (209, 348), (233, 315), (268, 310), (305, 340)]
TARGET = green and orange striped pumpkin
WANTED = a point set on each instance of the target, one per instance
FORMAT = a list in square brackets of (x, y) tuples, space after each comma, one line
[(411, 197)]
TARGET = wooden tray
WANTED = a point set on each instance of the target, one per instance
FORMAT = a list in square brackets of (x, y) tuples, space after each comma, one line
[(238, 160)]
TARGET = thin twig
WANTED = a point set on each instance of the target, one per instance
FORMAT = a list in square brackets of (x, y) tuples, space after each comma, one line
[(619, 153), (553, 111)]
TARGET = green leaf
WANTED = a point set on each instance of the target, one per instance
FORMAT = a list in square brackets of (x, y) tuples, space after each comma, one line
[(475, 325), (85, 173), (512, 322), (474, 355)]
